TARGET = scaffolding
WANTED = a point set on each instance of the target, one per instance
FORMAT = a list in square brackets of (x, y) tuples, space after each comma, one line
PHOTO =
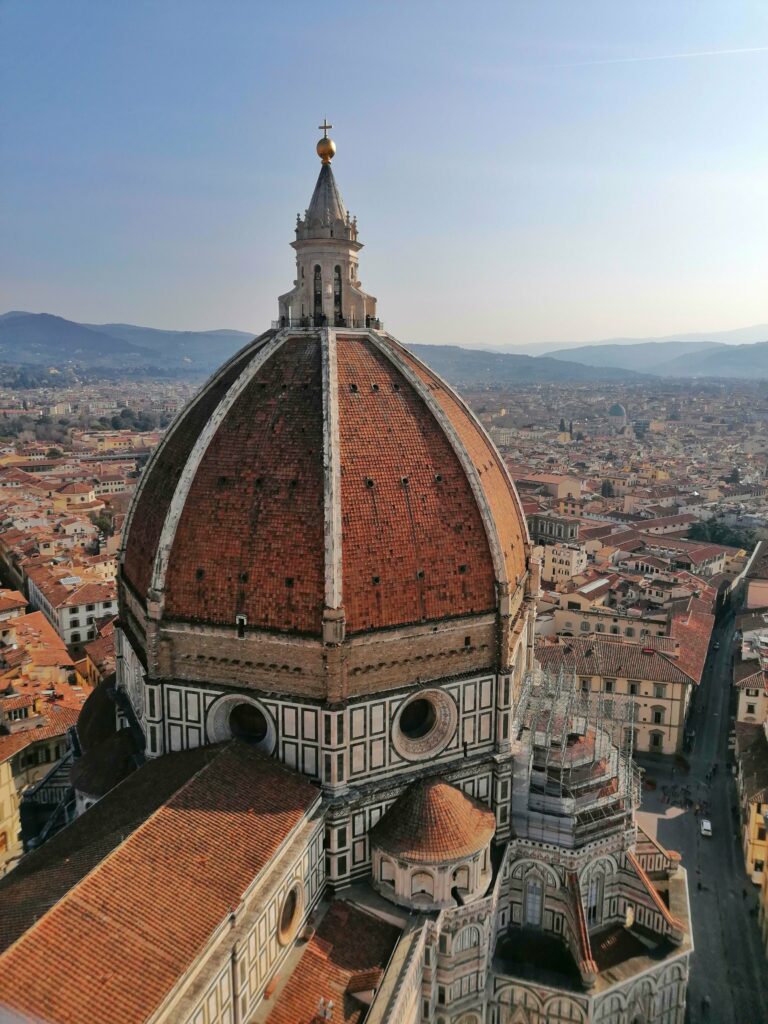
[(574, 775)]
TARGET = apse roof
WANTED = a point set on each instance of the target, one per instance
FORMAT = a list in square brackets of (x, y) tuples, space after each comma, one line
[(433, 822)]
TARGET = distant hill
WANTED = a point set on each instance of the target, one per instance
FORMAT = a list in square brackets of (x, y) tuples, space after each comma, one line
[(731, 361), (738, 336), (670, 356), (469, 366), (680, 358), (204, 348), (40, 339), (645, 356), (44, 340)]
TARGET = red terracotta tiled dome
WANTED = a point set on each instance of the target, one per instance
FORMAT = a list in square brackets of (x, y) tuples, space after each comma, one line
[(323, 470), (433, 823)]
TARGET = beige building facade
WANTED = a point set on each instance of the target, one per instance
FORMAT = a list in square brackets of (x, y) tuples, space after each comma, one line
[(659, 689), (561, 562)]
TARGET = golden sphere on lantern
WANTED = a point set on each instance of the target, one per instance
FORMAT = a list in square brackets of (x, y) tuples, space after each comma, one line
[(326, 148)]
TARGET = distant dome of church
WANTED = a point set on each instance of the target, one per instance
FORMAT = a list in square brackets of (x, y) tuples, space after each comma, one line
[(617, 409)]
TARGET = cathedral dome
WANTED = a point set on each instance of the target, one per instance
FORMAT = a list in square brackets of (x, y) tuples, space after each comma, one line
[(324, 487), (317, 472)]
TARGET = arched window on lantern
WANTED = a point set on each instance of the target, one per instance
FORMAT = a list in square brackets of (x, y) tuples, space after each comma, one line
[(318, 287), (337, 313)]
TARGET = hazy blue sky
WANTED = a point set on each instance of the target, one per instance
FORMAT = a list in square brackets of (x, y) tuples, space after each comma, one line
[(521, 171)]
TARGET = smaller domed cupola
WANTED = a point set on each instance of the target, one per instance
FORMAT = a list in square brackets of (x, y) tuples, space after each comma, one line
[(431, 849)]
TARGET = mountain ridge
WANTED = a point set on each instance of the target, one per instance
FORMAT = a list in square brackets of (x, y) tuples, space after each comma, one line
[(40, 339), (44, 339)]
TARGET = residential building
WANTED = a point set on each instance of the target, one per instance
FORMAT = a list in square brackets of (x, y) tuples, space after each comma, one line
[(561, 562), (651, 673), (753, 802)]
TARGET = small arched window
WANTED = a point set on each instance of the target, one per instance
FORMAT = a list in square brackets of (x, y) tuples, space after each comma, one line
[(422, 883), (318, 292), (534, 898), (387, 871), (337, 312), (467, 938), (595, 899), (461, 878)]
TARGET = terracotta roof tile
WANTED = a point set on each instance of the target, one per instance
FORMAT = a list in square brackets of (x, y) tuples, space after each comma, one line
[(433, 822), (694, 632), (413, 542), (54, 722), (414, 547), (498, 487), (259, 487), (162, 473), (349, 949), (597, 657), (150, 907)]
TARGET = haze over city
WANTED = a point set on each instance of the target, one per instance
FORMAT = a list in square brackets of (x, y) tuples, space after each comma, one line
[(554, 172)]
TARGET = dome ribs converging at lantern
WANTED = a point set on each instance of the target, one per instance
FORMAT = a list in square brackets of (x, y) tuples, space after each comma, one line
[(161, 475), (250, 537), (503, 502), (413, 542), (243, 519)]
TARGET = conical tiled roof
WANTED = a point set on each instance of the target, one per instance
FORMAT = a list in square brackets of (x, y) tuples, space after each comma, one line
[(433, 823), (326, 205)]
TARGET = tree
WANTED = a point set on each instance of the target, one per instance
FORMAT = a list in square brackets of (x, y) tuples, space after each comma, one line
[(54, 453), (606, 489), (103, 521), (562, 428), (715, 531)]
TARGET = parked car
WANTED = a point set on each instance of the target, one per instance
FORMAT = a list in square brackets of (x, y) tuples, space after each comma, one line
[(706, 827)]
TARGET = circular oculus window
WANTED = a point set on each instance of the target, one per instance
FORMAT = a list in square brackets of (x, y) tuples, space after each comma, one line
[(424, 724), (290, 914), (249, 723), (243, 718)]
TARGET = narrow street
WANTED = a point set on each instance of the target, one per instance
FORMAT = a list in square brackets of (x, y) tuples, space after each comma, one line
[(728, 967)]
